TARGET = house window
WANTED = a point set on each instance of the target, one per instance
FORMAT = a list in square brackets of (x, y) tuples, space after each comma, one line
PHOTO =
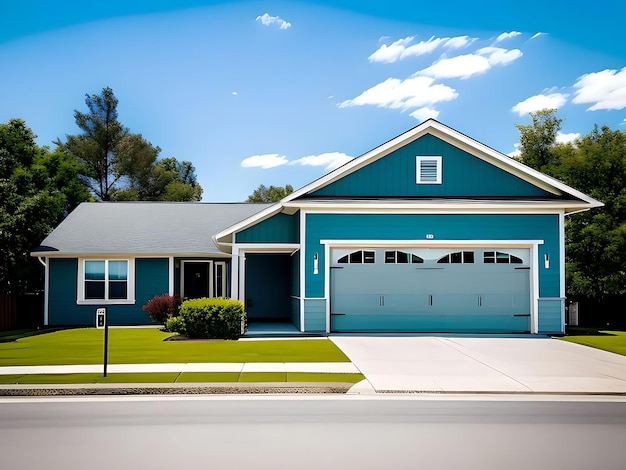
[(458, 257), (220, 279), (105, 281), (358, 257), (500, 257), (401, 257), (428, 170)]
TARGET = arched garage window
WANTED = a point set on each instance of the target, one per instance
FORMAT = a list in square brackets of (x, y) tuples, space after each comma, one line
[(401, 257), (358, 257), (500, 257), (458, 257)]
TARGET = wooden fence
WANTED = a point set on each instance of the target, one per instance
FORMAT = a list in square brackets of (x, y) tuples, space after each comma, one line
[(24, 311)]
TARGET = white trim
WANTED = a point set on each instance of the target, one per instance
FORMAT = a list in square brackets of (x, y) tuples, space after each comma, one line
[(430, 243), (440, 206), (532, 245), (303, 215), (418, 169), (234, 273), (562, 254), (269, 247), (130, 282), (327, 264), (46, 293), (224, 292), (182, 274), (170, 275)]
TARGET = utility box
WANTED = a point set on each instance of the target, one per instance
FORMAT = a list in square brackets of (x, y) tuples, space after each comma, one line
[(573, 314), (101, 318)]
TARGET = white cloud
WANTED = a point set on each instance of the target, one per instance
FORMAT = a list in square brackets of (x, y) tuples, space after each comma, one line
[(462, 66), (537, 102), (562, 138), (330, 160), (467, 65), (505, 36), (536, 35), (458, 42), (268, 20), (266, 161), (499, 56), (604, 90), (424, 113), (394, 93), (515, 153), (402, 48), (234, 93)]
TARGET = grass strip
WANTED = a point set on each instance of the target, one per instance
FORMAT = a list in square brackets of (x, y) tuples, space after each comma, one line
[(147, 346), (174, 377), (608, 340)]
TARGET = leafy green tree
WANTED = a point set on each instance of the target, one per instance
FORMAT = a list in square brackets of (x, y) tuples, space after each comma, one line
[(271, 194), (119, 165), (538, 139), (37, 187), (595, 240)]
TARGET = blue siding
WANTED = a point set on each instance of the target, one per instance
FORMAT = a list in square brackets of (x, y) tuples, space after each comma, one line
[(280, 228), (151, 278), (443, 227), (550, 315), (463, 175), (295, 311), (314, 315)]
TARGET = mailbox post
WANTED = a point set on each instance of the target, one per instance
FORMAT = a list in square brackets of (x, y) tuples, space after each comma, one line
[(103, 323)]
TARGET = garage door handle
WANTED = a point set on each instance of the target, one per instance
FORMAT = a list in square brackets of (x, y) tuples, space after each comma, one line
[(521, 314), (480, 301), (524, 267), (336, 267), (382, 301), (337, 313), (430, 300)]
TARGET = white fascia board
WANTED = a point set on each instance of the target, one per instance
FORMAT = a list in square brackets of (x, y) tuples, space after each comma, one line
[(457, 139), (247, 222), (117, 255), (431, 243), (268, 247), (437, 207)]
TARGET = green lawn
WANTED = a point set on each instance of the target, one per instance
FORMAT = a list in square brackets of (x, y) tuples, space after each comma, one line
[(146, 345), (175, 377), (609, 340)]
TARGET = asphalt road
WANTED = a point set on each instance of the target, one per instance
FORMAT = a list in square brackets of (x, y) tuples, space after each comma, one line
[(310, 433)]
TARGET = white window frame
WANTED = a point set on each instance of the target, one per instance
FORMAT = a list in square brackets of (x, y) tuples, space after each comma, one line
[(130, 280), (418, 167), (220, 265)]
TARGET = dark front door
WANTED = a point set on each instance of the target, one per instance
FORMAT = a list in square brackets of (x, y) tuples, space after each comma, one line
[(268, 286), (196, 279)]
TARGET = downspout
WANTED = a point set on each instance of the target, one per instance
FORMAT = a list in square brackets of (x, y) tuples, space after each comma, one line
[(45, 290)]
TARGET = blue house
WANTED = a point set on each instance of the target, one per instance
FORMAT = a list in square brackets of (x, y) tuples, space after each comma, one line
[(430, 232)]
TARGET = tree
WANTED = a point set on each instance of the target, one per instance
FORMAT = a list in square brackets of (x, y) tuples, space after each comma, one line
[(595, 240), (96, 148), (37, 187), (538, 139), (271, 194), (119, 165)]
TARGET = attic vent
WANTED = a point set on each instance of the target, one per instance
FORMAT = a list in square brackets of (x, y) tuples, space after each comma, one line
[(428, 170)]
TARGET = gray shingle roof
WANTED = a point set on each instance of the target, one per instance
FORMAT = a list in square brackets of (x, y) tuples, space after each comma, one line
[(168, 228)]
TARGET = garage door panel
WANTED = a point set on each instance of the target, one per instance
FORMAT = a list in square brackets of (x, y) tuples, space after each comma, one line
[(431, 296)]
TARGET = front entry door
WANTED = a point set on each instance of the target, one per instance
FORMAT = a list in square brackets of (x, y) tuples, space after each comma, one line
[(196, 279)]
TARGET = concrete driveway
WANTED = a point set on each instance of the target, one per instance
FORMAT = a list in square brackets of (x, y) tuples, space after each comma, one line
[(464, 364)]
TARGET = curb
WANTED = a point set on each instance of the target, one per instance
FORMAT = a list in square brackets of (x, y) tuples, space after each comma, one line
[(174, 389)]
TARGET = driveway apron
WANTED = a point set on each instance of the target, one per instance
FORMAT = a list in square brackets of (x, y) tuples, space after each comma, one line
[(494, 364)]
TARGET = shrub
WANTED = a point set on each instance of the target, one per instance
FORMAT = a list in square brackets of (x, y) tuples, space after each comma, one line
[(175, 325), (213, 318), (161, 307)]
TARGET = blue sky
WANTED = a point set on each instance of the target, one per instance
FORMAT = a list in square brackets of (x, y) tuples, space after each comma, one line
[(281, 92)]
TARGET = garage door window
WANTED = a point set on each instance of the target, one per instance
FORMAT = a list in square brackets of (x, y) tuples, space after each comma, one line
[(401, 257), (458, 257), (358, 257), (500, 257)]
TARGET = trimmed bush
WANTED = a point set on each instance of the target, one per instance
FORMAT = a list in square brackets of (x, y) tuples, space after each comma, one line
[(175, 325), (161, 307), (213, 318)]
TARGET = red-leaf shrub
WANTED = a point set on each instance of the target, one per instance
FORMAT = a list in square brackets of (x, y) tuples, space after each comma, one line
[(161, 307)]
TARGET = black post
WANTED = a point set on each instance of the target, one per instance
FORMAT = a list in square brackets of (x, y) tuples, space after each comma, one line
[(106, 343)]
